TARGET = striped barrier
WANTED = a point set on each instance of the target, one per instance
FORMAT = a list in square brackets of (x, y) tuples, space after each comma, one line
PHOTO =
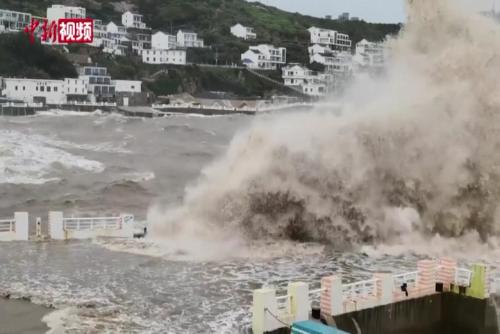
[(335, 298)]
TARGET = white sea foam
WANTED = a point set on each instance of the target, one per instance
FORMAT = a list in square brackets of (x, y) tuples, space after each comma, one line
[(26, 159)]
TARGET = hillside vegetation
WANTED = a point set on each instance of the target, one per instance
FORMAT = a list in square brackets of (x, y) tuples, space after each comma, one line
[(210, 18)]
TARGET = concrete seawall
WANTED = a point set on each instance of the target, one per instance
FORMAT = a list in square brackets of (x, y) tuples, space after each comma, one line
[(446, 313)]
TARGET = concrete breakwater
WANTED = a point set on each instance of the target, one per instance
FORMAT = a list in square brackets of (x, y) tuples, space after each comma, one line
[(439, 297)]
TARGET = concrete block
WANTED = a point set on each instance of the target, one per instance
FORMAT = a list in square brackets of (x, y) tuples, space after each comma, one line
[(264, 303), (56, 226), (22, 226), (300, 305)]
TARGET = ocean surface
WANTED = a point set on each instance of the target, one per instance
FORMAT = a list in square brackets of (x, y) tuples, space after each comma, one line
[(104, 164)]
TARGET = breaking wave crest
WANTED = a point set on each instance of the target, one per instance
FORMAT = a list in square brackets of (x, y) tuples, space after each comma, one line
[(414, 151)]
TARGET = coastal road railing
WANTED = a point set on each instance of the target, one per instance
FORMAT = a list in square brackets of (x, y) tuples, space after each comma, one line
[(93, 223), (15, 229), (64, 228)]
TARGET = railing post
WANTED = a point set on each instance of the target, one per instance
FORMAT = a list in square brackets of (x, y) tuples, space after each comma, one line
[(264, 303), (332, 296), (127, 226), (385, 288), (56, 225), (300, 305), (426, 281), (22, 226), (479, 282), (447, 272)]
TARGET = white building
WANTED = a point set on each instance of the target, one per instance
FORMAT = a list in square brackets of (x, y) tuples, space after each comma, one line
[(100, 85), (188, 39), (370, 55), (57, 12), (76, 87), (241, 31), (330, 38), (100, 34), (264, 57), (133, 20), (127, 86), (116, 41), (161, 56), (163, 41), (309, 82), (34, 90), (12, 21), (335, 62)]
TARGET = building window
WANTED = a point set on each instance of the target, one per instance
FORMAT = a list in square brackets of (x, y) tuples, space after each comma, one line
[(16, 88), (24, 88), (42, 88), (55, 89), (48, 88)]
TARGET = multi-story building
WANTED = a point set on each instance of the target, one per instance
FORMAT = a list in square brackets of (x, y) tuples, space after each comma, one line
[(116, 41), (100, 86), (309, 82), (330, 38), (76, 89), (100, 34), (56, 12), (161, 56), (241, 31), (163, 41), (188, 39), (133, 20), (34, 90), (264, 57), (335, 62), (370, 55), (45, 91), (12, 21), (140, 39)]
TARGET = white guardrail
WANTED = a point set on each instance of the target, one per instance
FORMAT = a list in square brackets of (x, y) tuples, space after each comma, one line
[(64, 228), (14, 229), (335, 298)]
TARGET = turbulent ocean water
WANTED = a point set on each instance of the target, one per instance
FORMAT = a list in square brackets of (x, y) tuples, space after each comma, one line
[(105, 164), (407, 167)]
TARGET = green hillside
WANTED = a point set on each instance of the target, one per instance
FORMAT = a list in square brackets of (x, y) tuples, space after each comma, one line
[(210, 18)]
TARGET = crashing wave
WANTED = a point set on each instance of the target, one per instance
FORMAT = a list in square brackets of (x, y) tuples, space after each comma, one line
[(414, 151)]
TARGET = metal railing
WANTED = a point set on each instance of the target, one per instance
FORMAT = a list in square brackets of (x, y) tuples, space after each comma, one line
[(363, 289), (410, 278), (90, 224), (7, 225), (463, 277)]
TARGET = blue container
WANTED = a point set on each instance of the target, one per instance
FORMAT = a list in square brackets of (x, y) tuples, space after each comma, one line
[(313, 327)]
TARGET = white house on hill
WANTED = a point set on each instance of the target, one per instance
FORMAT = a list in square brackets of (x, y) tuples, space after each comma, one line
[(264, 57), (56, 12), (133, 20), (370, 54), (309, 82), (159, 56), (188, 39), (241, 31), (163, 41), (330, 38)]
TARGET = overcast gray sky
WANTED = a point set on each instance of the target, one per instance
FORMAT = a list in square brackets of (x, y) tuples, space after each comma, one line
[(369, 10)]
